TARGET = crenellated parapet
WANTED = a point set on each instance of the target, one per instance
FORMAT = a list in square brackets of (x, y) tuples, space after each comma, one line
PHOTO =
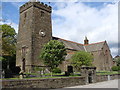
[(40, 5)]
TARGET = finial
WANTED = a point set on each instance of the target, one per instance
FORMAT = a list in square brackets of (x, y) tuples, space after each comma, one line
[(86, 41), (86, 38)]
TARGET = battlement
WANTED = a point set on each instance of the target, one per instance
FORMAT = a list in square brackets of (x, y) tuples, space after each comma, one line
[(40, 5)]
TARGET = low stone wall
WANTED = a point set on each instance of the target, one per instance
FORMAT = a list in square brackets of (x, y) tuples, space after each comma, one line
[(100, 78), (44, 83), (53, 82)]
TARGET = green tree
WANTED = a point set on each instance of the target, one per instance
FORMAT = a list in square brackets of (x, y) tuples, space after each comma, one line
[(81, 58), (8, 43), (118, 61), (53, 53)]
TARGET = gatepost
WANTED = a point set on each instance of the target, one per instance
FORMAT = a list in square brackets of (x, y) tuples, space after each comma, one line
[(89, 73)]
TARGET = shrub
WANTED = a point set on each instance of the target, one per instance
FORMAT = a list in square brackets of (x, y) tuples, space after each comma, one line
[(8, 73), (81, 58), (16, 70), (56, 70), (116, 68)]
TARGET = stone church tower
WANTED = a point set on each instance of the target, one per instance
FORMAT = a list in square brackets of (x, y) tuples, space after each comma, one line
[(35, 29)]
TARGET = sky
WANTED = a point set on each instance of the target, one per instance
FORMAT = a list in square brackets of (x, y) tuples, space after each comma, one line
[(75, 20)]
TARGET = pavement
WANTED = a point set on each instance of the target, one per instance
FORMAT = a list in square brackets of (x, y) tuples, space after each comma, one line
[(105, 84)]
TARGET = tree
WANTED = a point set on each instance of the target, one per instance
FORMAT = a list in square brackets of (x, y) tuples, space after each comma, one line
[(53, 53), (8, 40), (8, 43), (118, 61), (81, 58)]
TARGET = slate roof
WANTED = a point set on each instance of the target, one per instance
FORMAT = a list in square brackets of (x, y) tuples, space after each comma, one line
[(94, 46), (80, 47), (70, 44)]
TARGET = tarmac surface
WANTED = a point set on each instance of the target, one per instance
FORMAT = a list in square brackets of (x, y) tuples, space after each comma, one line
[(105, 84)]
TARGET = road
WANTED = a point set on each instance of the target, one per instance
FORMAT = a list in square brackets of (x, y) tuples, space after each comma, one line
[(105, 84)]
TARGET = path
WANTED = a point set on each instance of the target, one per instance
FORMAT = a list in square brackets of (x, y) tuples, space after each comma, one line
[(105, 84)]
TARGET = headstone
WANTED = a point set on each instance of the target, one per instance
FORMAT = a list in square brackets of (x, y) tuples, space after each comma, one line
[(3, 74), (21, 75)]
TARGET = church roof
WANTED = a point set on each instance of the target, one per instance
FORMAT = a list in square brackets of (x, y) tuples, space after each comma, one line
[(70, 44), (80, 47), (94, 46)]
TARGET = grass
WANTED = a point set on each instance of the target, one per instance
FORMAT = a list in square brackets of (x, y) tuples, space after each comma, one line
[(45, 73), (57, 75), (107, 72), (40, 77)]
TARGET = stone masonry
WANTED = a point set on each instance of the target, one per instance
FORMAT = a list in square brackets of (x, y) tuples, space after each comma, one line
[(35, 30)]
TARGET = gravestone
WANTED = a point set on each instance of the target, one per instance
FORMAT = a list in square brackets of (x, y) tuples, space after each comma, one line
[(89, 73)]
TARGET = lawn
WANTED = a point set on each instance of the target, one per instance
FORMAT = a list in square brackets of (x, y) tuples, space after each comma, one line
[(107, 72), (41, 77), (59, 75)]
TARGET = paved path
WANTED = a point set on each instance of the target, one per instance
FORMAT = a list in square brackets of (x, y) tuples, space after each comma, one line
[(105, 84)]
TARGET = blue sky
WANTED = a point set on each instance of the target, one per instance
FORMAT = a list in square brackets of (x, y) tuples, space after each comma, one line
[(10, 10), (96, 20)]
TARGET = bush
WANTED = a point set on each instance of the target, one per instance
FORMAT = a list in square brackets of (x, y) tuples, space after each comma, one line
[(115, 68), (8, 73), (67, 73), (56, 70), (16, 70)]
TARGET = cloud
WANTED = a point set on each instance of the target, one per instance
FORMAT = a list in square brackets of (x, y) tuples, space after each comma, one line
[(63, 0), (15, 0), (11, 23), (74, 21)]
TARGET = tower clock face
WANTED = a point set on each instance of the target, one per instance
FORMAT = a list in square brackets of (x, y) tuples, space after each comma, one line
[(42, 33)]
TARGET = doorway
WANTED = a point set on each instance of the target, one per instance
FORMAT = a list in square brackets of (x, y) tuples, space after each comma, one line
[(23, 64), (90, 78)]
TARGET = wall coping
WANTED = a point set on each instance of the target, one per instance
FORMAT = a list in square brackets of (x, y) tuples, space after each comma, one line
[(107, 75), (41, 79)]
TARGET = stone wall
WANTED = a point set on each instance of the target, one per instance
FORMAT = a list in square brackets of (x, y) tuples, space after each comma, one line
[(53, 82), (35, 30), (102, 58), (100, 78), (44, 83)]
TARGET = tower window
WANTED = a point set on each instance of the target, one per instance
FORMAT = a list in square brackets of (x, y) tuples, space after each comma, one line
[(25, 15), (42, 14)]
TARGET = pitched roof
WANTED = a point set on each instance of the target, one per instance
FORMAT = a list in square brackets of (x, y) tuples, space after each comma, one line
[(81, 47), (70, 44), (94, 46)]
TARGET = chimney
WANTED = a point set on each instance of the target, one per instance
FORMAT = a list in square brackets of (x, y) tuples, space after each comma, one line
[(86, 41)]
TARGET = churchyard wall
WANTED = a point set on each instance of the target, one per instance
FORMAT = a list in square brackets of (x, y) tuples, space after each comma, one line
[(53, 82), (44, 83)]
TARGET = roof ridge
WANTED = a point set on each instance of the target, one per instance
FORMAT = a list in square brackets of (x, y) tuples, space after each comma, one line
[(70, 41), (80, 43), (94, 43)]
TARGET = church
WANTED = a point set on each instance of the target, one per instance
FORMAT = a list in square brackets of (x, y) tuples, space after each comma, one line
[(35, 30)]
